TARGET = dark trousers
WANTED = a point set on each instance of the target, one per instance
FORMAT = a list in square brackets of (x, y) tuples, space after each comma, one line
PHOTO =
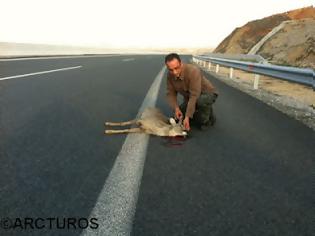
[(204, 111)]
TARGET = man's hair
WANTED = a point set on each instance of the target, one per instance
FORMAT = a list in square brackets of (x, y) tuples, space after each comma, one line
[(172, 56)]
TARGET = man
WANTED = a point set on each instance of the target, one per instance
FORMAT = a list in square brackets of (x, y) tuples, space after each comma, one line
[(199, 94)]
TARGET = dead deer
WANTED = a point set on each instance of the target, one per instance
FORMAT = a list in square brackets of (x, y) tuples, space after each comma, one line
[(151, 121)]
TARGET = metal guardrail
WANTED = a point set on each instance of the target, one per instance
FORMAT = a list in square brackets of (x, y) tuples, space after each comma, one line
[(292, 74), (237, 57)]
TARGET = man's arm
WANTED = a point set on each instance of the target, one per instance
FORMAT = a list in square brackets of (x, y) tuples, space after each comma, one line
[(194, 91)]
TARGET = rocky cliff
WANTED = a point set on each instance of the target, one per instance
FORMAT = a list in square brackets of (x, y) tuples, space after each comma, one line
[(293, 44)]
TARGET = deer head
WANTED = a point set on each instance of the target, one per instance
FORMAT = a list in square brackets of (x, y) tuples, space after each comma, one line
[(177, 129)]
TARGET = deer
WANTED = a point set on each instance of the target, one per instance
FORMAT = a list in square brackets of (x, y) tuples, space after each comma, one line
[(151, 121)]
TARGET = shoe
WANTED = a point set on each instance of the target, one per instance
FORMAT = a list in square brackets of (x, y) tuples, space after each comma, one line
[(212, 119), (205, 126)]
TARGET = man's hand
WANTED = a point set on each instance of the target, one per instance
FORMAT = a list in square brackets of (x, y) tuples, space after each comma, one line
[(186, 123), (178, 113)]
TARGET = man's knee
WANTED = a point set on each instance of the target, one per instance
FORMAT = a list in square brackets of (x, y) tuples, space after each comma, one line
[(213, 97), (204, 102), (204, 107), (207, 99)]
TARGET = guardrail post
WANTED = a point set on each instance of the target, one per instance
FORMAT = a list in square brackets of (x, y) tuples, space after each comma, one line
[(295, 74), (231, 73), (209, 65), (256, 81), (217, 69)]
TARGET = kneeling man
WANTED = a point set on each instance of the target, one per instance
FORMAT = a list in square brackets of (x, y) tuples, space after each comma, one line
[(198, 92)]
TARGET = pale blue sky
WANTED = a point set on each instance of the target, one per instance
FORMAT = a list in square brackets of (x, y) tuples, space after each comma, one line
[(137, 23)]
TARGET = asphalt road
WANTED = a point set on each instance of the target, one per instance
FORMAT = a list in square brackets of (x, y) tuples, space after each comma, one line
[(250, 174)]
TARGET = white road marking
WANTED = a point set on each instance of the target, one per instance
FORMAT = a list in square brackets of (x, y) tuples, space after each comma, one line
[(57, 57), (128, 59), (116, 204), (39, 73)]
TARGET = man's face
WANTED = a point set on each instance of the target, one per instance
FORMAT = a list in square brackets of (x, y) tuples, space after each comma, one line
[(174, 67)]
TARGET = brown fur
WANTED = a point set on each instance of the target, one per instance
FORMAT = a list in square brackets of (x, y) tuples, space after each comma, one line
[(151, 121)]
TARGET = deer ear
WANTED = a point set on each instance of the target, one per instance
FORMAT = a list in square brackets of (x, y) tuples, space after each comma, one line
[(172, 121)]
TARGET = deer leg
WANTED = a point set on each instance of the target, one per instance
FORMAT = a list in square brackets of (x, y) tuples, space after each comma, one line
[(122, 131), (130, 122)]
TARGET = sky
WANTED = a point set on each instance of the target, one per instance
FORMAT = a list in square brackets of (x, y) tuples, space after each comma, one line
[(132, 23)]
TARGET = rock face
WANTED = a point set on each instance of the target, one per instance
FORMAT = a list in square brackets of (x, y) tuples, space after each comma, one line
[(292, 45), (242, 39)]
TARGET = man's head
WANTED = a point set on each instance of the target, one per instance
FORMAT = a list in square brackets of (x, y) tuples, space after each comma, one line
[(173, 64)]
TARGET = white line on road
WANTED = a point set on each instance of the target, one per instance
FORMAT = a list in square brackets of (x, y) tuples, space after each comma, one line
[(116, 204), (128, 59), (57, 57), (40, 72)]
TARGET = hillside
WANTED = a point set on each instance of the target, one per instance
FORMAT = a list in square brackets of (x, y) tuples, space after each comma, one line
[(291, 45)]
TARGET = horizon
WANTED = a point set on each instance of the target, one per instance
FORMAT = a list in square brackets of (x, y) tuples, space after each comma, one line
[(109, 26)]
